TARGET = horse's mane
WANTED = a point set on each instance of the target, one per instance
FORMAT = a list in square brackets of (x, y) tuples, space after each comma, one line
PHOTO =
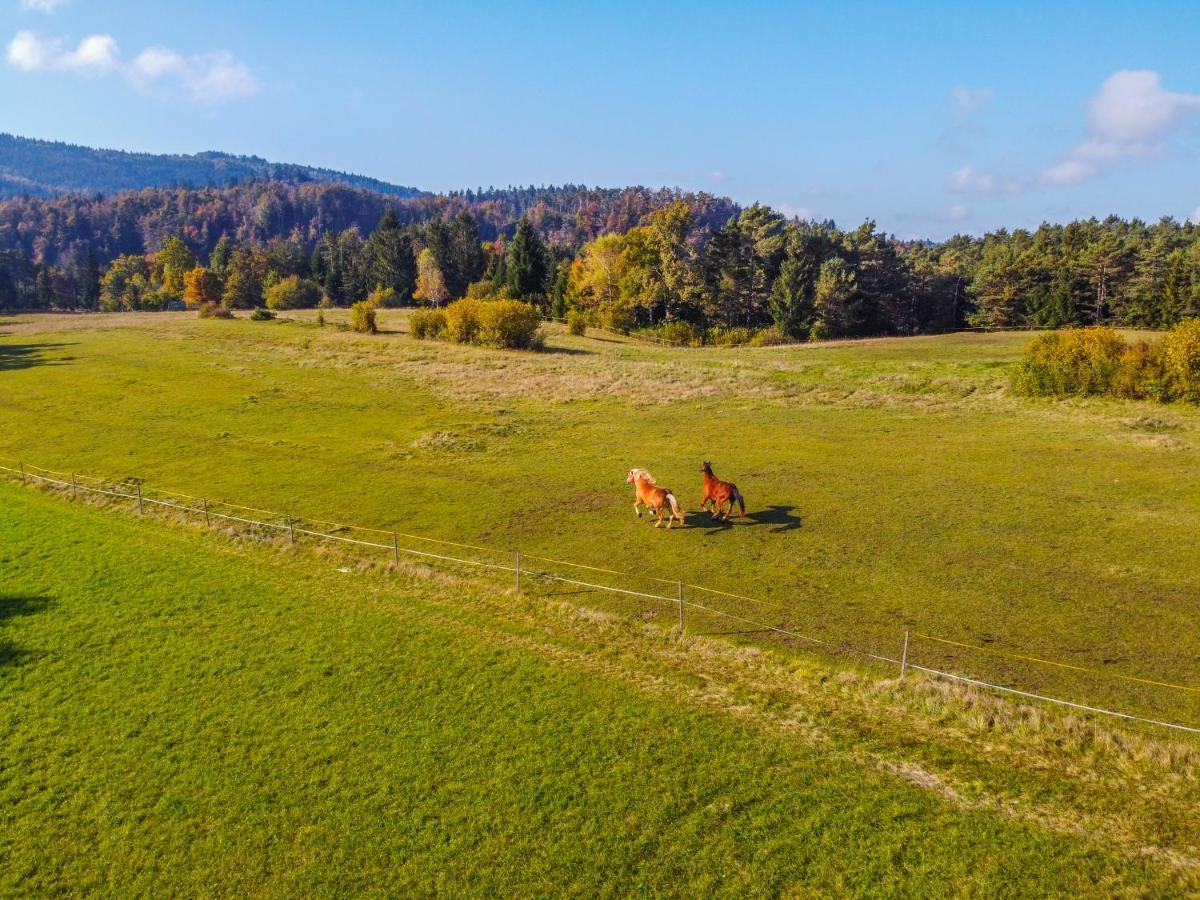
[(644, 475)]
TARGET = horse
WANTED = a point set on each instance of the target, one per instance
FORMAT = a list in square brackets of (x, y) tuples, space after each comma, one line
[(718, 493), (656, 499)]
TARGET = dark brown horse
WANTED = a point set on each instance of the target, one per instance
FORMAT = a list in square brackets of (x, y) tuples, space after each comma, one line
[(718, 493)]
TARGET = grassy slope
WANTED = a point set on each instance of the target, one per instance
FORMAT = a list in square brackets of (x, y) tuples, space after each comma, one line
[(183, 715), (892, 484)]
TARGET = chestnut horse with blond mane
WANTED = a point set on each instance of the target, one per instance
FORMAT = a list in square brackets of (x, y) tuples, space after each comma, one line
[(656, 499), (718, 493)]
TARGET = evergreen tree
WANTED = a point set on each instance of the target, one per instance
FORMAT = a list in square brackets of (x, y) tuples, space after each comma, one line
[(89, 281), (389, 257), (525, 273), (43, 294), (833, 300), (218, 260), (467, 260), (791, 301)]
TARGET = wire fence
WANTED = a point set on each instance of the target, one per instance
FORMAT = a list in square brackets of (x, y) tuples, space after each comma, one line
[(678, 595)]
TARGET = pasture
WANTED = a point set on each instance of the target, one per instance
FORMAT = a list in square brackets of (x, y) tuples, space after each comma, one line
[(892, 485), (187, 714)]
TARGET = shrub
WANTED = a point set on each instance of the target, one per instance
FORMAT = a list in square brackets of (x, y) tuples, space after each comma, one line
[(320, 317), (576, 323), (362, 317), (1080, 361), (427, 323), (509, 323), (1141, 374), (730, 337), (618, 318), (214, 311), (1181, 360), (679, 334), (770, 337), (293, 292), (261, 315), (462, 320), (384, 297)]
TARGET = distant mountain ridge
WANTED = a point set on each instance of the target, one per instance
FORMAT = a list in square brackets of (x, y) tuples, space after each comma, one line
[(36, 168)]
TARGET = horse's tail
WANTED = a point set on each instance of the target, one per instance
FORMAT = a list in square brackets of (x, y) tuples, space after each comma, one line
[(675, 506), (741, 502)]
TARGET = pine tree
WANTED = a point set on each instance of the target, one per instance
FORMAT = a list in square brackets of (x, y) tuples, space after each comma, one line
[(89, 281), (791, 301), (43, 293), (389, 258), (833, 300), (218, 260), (467, 262), (526, 263)]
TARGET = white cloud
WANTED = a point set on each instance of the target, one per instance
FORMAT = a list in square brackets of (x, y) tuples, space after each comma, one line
[(97, 54), (1129, 118), (969, 100), (1195, 217), (217, 77), (155, 62), (42, 6), (209, 78), (958, 212), (1132, 106), (1070, 171), (967, 181), (794, 212), (28, 52)]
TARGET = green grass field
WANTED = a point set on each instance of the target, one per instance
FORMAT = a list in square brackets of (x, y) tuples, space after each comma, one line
[(183, 714), (892, 484)]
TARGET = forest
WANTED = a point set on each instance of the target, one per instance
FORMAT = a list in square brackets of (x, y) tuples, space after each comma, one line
[(628, 258)]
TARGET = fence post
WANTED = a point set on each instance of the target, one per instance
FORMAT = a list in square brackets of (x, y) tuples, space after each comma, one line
[(396, 549), (291, 530), (904, 657), (72, 485), (681, 607), (518, 571), (207, 521), (22, 467), (141, 510)]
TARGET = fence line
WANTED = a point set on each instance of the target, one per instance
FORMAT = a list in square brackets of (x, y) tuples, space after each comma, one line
[(289, 524)]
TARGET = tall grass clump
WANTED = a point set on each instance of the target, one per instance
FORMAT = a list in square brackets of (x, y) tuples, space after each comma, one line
[(1094, 362)]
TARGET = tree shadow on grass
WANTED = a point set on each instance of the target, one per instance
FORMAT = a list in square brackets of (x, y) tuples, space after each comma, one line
[(12, 606), (568, 351), (26, 356)]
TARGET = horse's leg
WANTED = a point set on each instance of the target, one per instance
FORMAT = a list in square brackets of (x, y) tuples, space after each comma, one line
[(637, 512)]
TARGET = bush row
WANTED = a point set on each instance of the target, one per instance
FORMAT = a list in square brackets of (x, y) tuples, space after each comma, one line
[(1093, 362), (685, 334), (487, 323)]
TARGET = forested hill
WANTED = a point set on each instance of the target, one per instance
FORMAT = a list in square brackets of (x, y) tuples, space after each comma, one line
[(36, 168), (60, 230)]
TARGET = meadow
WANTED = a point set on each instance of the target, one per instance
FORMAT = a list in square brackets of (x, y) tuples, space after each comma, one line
[(185, 707), (892, 484), (183, 713)]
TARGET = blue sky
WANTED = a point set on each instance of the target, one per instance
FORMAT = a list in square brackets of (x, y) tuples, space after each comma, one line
[(929, 117)]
